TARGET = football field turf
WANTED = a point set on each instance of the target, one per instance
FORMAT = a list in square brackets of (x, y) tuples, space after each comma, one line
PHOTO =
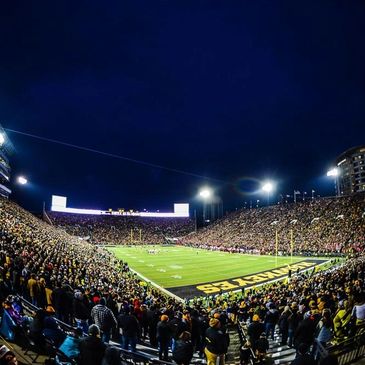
[(184, 270)]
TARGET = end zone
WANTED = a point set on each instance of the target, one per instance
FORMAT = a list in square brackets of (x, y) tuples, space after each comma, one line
[(244, 282)]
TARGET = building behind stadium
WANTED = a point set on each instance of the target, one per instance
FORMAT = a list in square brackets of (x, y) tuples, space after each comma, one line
[(351, 171)]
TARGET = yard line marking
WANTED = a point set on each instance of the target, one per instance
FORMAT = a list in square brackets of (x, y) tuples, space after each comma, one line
[(151, 265), (176, 276), (141, 261), (161, 270), (175, 267)]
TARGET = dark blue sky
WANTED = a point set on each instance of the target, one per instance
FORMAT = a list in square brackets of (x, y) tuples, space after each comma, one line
[(224, 89)]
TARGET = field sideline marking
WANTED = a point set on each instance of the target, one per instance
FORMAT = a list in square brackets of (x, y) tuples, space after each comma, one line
[(157, 286)]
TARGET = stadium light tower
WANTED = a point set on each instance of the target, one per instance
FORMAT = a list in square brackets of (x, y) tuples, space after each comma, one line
[(268, 187), (335, 173), (22, 180), (205, 194)]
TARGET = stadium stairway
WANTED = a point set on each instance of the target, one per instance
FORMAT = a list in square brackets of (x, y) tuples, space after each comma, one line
[(282, 355), (233, 354)]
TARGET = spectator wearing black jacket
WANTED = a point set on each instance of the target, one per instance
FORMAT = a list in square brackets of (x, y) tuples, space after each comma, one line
[(152, 320), (81, 310), (92, 348), (294, 320), (284, 325), (305, 331), (303, 357), (129, 329), (183, 350), (255, 330), (164, 335), (216, 343), (271, 319)]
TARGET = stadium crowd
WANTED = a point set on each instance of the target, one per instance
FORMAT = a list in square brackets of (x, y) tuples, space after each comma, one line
[(83, 285), (122, 229), (320, 226)]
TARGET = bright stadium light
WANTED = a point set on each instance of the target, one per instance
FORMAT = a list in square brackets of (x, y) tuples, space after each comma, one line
[(267, 187), (205, 193), (2, 139), (333, 172), (22, 180)]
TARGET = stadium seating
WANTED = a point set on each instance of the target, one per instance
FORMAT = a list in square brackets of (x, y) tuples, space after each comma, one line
[(54, 270), (122, 229), (321, 226)]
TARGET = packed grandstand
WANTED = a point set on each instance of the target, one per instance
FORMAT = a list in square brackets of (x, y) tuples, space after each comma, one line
[(82, 285)]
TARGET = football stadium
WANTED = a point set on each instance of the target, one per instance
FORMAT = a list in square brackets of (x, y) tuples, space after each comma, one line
[(182, 183)]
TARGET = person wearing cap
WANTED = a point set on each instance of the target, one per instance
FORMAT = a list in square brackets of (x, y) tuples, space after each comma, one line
[(183, 350), (81, 310), (254, 330), (164, 335), (216, 343), (271, 319), (7, 357), (92, 348), (104, 318)]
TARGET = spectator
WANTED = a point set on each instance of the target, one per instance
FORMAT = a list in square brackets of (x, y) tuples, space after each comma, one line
[(261, 347), (7, 357), (164, 336), (303, 357), (271, 319), (183, 349), (129, 328), (216, 343), (255, 330), (104, 318), (92, 348), (284, 324), (342, 318), (81, 310)]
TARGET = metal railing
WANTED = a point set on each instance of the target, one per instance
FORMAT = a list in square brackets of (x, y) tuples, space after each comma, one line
[(347, 350), (127, 356)]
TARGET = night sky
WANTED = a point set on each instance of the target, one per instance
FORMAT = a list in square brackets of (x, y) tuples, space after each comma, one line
[(230, 90)]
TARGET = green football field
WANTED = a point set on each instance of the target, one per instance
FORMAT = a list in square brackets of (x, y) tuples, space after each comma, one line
[(176, 266)]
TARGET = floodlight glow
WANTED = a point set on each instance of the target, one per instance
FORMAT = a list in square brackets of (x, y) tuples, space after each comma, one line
[(22, 180), (333, 172), (268, 187), (205, 193), (2, 138), (59, 204)]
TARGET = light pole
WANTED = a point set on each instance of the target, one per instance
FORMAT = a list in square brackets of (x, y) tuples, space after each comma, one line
[(205, 194), (267, 187), (335, 173)]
